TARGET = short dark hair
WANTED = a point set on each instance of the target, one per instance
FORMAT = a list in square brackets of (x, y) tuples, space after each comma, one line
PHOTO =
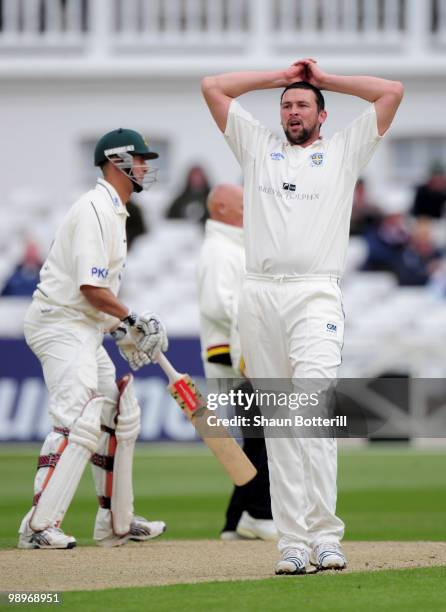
[(320, 101)]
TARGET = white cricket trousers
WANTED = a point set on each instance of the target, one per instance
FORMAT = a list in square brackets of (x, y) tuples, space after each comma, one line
[(292, 327), (76, 367)]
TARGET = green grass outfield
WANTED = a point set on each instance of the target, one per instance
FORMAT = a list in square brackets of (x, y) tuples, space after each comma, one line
[(421, 590), (384, 494)]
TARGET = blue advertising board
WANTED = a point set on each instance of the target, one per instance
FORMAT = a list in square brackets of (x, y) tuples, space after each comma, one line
[(24, 399)]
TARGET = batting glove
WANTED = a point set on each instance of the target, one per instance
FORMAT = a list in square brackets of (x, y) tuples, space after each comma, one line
[(128, 349), (148, 332)]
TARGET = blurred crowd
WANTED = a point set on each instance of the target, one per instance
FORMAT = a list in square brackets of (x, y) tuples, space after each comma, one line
[(406, 237)]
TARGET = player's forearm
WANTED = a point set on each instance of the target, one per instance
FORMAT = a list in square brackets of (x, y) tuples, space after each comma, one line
[(234, 84), (366, 87), (105, 301)]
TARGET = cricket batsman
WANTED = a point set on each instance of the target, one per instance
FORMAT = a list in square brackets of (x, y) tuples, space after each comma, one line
[(297, 205), (94, 418)]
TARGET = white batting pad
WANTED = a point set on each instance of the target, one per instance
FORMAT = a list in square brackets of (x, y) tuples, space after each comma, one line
[(82, 443), (127, 430)]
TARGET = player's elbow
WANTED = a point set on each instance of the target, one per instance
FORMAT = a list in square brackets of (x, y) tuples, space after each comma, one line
[(207, 84), (85, 289), (91, 294), (396, 88)]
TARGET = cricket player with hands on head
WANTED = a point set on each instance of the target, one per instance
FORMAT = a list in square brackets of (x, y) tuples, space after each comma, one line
[(220, 275), (297, 205), (75, 303)]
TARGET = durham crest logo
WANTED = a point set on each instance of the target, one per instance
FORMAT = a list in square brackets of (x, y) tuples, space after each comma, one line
[(317, 159)]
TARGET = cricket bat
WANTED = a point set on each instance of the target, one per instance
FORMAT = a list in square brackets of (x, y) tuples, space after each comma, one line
[(221, 443)]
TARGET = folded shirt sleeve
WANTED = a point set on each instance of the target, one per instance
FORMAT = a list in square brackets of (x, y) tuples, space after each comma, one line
[(361, 138), (244, 134)]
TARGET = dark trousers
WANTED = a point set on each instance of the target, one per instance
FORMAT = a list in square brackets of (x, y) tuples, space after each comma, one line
[(253, 497)]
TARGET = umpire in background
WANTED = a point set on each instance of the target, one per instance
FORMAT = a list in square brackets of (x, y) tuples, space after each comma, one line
[(220, 275)]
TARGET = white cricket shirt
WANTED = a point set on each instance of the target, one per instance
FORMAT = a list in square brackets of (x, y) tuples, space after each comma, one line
[(297, 200), (89, 248), (220, 276)]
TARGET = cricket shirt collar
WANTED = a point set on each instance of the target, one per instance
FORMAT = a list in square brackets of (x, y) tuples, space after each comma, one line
[(107, 188), (231, 232)]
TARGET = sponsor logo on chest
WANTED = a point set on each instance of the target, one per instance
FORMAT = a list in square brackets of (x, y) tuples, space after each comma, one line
[(317, 159), (290, 190)]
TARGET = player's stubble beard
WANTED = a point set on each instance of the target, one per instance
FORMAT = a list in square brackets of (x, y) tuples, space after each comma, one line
[(304, 135)]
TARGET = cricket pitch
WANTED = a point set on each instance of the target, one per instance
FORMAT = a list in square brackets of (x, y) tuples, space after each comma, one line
[(186, 561)]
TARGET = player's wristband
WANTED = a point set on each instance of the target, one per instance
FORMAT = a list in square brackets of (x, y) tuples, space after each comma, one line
[(130, 319), (119, 333)]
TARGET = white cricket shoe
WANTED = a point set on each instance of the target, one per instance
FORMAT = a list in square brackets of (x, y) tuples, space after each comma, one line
[(294, 561), (50, 538), (230, 536), (140, 530), (328, 555), (256, 529)]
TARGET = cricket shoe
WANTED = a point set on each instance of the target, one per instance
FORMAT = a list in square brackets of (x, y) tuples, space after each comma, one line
[(230, 536), (256, 529), (50, 538), (328, 555), (140, 530), (294, 561)]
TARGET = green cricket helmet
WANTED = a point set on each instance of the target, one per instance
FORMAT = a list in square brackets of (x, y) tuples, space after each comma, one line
[(119, 147)]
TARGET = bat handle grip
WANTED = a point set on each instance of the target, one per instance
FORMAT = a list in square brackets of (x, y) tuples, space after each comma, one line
[(168, 368)]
